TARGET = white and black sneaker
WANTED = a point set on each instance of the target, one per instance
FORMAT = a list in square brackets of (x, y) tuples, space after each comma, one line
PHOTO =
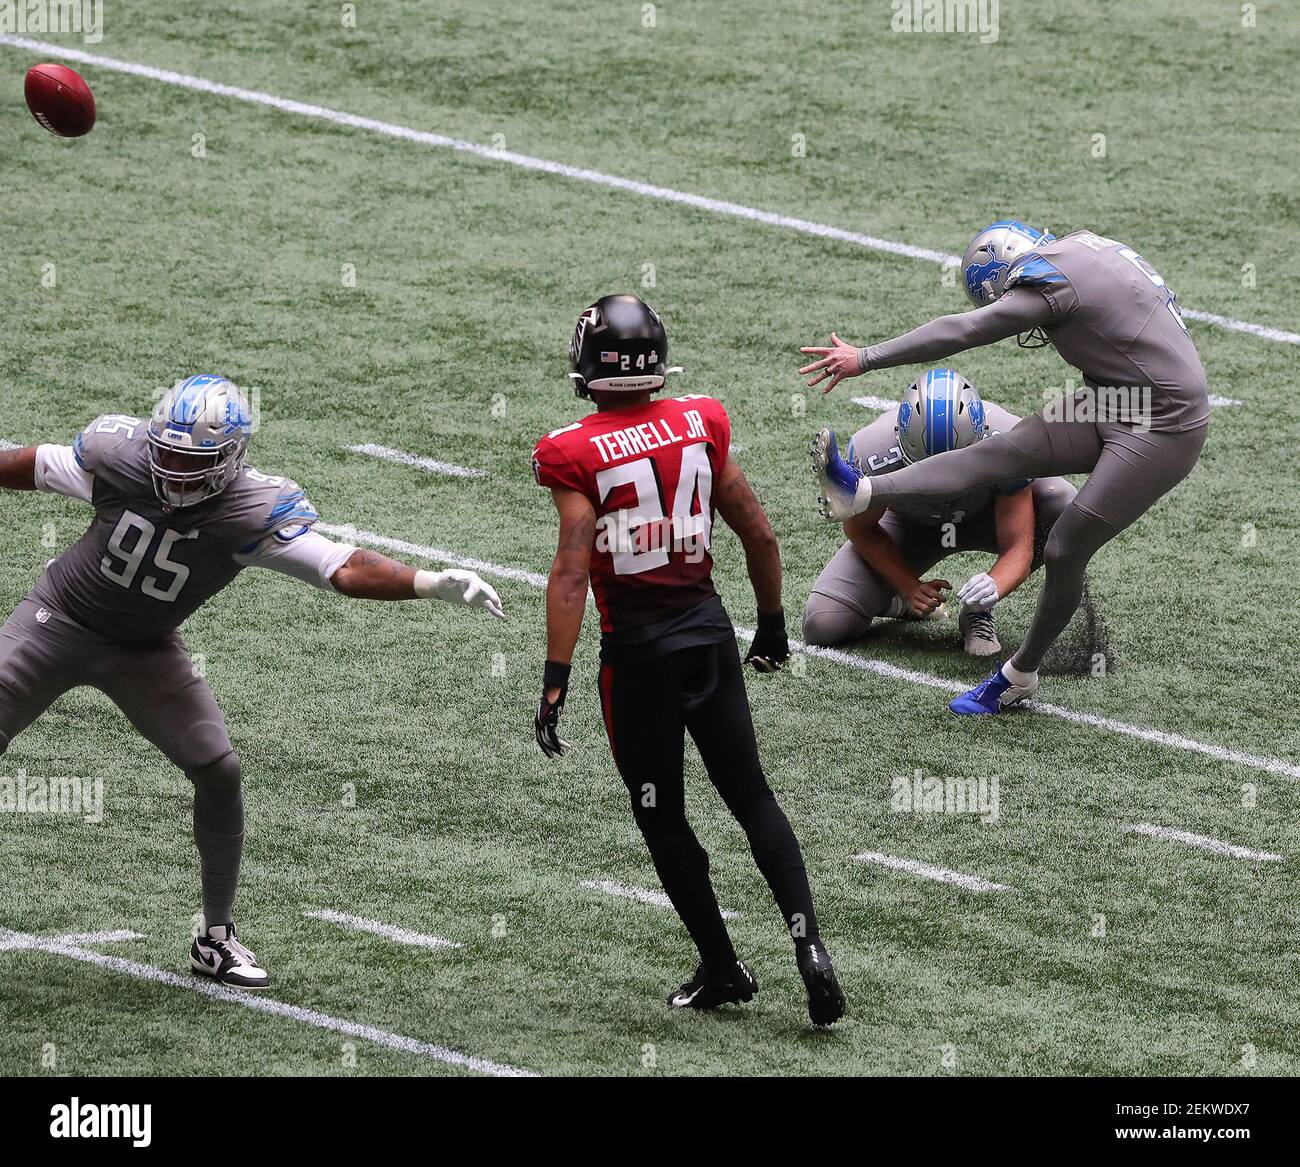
[(978, 632), (217, 952), (707, 990)]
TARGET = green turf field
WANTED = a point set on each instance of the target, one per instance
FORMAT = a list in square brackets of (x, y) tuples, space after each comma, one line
[(390, 767)]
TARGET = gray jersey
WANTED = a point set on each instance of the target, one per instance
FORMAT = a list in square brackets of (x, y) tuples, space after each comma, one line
[(1106, 311), (140, 571), (875, 450)]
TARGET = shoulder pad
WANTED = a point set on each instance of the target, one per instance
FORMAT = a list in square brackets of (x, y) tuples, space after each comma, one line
[(1034, 271), (105, 433)]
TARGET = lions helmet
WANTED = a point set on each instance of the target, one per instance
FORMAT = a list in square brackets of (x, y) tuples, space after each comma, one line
[(198, 437), (988, 259), (618, 346), (940, 411)]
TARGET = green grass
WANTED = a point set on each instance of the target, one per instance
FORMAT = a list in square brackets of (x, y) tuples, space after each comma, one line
[(469, 276)]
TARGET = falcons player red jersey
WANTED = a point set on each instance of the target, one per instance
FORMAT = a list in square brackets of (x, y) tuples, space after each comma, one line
[(648, 471)]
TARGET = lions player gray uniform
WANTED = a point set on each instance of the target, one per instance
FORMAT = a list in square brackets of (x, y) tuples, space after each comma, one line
[(106, 613), (1136, 427), (849, 594)]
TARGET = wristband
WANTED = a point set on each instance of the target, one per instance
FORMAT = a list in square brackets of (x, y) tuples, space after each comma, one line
[(772, 621), (556, 675), (426, 584)]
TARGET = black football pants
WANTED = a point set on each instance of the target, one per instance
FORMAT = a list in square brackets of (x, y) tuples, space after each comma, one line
[(650, 703)]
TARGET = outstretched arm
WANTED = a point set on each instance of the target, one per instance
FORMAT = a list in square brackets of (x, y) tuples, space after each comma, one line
[(366, 575), (18, 469), (1020, 310)]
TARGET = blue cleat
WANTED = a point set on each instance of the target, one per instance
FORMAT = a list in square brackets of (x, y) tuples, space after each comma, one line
[(842, 491), (993, 695)]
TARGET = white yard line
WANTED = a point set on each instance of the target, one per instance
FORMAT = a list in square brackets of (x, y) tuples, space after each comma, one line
[(350, 534), (930, 871), (263, 1004), (11, 941), (7, 445), (1218, 402), (1203, 842), (388, 454), (1158, 737), (879, 404), (377, 928), (642, 895), (560, 169)]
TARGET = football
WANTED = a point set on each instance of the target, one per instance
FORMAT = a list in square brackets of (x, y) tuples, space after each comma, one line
[(60, 100)]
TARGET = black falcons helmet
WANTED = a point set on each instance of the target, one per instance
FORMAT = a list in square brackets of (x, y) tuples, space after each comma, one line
[(619, 346)]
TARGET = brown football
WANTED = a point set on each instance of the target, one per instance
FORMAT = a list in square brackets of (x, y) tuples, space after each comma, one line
[(59, 100)]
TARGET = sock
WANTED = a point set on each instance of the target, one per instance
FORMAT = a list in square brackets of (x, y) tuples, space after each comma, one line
[(1017, 677)]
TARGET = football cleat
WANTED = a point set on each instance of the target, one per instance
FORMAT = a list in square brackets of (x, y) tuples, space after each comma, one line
[(707, 991), (843, 490), (993, 696), (825, 998), (979, 634), (217, 952)]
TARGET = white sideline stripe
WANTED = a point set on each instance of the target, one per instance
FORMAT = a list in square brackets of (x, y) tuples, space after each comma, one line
[(8, 445), (1216, 401), (195, 984), (883, 668), (930, 871), (877, 403), (577, 173), (388, 454), (1204, 842), (642, 895), (10, 941), (352, 534), (376, 928), (1260, 330)]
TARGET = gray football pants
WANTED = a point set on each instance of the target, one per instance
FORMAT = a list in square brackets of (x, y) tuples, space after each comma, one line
[(848, 594), (44, 653), (1128, 470)]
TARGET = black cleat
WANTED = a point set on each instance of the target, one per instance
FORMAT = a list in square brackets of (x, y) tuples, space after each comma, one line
[(706, 991), (825, 998)]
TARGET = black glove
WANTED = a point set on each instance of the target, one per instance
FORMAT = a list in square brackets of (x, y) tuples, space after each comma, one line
[(770, 649), (547, 721)]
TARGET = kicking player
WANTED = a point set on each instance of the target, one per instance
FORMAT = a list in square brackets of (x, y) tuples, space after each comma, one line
[(177, 516), (636, 484), (878, 570), (1136, 427)]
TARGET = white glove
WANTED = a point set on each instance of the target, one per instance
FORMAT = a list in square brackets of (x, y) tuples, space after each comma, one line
[(979, 592), (459, 587)]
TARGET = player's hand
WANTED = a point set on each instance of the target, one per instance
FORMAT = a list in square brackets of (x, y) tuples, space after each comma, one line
[(459, 587), (547, 722), (928, 595), (980, 591), (837, 362), (770, 648)]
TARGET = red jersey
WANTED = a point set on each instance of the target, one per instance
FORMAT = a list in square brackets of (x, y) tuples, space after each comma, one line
[(649, 472)]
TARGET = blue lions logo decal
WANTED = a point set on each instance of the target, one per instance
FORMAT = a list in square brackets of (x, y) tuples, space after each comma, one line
[(237, 421), (904, 417), (977, 417), (978, 274)]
